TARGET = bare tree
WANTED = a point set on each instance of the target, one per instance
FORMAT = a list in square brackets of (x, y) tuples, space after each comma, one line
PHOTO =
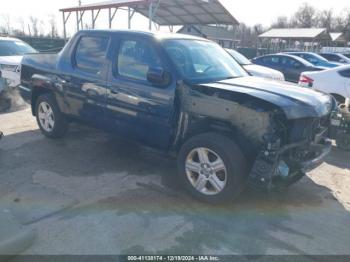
[(346, 24), (304, 17), (53, 26), (6, 21), (325, 19), (281, 22), (22, 25), (34, 25)]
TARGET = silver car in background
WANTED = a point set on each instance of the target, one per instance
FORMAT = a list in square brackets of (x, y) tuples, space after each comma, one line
[(255, 70), (11, 54)]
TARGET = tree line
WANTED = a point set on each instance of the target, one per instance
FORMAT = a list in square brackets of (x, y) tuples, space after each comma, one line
[(306, 16), (31, 26)]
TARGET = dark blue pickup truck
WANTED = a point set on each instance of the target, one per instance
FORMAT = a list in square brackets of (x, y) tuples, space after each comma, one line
[(187, 96)]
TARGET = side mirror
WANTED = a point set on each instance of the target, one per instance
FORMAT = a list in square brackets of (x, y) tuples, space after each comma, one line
[(158, 77)]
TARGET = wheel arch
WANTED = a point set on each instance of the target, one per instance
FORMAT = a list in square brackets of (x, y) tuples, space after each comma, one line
[(198, 126), (36, 93), (341, 99)]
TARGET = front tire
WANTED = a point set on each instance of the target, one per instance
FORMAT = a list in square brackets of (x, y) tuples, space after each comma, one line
[(51, 121), (343, 141), (212, 168)]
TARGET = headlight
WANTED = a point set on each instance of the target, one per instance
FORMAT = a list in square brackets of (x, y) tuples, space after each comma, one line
[(11, 68)]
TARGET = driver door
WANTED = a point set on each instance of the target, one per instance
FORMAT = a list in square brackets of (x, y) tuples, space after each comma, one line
[(136, 109)]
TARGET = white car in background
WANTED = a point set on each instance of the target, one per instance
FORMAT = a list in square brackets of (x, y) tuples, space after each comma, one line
[(255, 70), (11, 54), (335, 81)]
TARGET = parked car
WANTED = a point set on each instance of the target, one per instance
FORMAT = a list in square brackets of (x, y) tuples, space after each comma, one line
[(336, 57), (290, 66), (315, 59), (334, 81), (11, 53), (255, 70), (185, 95)]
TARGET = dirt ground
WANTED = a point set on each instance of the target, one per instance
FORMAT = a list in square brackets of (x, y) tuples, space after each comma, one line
[(92, 193)]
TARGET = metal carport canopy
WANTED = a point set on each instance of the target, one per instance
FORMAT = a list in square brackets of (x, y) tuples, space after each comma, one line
[(169, 12)]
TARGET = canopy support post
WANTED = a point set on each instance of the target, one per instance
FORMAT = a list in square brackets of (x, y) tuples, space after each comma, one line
[(151, 13), (94, 18), (130, 16), (111, 16), (81, 19), (64, 26), (65, 20), (150, 16), (77, 16)]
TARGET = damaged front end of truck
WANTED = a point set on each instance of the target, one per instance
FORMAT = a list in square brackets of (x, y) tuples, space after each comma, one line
[(283, 133)]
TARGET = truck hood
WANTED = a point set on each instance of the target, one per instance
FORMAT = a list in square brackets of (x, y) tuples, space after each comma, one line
[(11, 60), (296, 102)]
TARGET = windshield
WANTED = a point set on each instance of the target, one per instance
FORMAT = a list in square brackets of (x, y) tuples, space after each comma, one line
[(201, 61), (13, 48), (241, 59)]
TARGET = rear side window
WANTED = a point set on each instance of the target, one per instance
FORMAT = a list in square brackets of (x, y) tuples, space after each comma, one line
[(332, 57), (91, 54), (291, 63), (135, 58), (345, 73)]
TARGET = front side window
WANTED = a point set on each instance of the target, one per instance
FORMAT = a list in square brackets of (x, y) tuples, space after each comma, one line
[(291, 63), (136, 58), (91, 53), (202, 61)]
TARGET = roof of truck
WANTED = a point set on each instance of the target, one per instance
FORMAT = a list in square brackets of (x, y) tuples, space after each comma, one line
[(160, 35)]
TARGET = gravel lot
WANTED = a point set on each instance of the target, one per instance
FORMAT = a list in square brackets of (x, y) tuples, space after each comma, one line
[(91, 193)]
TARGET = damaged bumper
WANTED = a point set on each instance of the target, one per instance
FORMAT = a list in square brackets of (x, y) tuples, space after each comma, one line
[(320, 151), (286, 165)]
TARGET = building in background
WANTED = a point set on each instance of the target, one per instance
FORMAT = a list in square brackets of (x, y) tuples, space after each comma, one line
[(219, 34), (294, 39)]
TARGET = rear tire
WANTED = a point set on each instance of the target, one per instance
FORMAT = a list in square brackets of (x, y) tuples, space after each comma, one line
[(51, 121), (212, 168)]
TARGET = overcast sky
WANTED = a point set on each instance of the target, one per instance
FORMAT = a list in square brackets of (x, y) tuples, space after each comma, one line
[(247, 11)]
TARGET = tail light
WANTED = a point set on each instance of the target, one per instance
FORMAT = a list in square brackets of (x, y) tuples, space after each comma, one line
[(305, 80)]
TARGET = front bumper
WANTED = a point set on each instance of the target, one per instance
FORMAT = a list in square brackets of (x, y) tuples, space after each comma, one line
[(318, 152), (294, 160)]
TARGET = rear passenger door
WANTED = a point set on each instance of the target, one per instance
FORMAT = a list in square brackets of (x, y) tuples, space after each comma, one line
[(86, 82), (292, 69), (136, 108)]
